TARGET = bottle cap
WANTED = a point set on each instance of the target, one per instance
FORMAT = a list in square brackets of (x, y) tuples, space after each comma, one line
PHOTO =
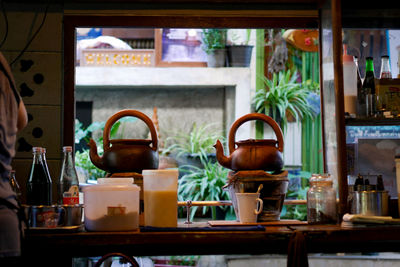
[(346, 57), (36, 149), (67, 149)]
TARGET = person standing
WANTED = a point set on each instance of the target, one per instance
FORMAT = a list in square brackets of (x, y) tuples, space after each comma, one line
[(13, 118)]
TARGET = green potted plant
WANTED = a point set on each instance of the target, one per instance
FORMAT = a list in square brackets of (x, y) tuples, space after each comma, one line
[(283, 96), (214, 45), (188, 148), (238, 49), (200, 184)]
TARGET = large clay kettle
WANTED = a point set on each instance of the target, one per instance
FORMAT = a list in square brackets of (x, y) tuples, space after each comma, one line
[(126, 155), (252, 154)]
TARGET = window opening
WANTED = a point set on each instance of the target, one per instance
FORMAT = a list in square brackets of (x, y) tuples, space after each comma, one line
[(164, 73)]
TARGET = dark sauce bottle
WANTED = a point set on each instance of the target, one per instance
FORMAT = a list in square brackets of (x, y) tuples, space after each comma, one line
[(39, 185)]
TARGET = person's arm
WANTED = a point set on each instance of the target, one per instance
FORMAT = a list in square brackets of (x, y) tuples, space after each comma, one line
[(22, 120)]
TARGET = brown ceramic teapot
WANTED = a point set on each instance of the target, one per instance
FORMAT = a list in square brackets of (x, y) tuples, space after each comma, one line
[(126, 155), (252, 154)]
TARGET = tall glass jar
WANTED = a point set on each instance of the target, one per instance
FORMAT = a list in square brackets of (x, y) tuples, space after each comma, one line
[(321, 200)]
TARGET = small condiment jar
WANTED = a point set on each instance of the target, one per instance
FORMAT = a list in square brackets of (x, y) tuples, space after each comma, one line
[(321, 200)]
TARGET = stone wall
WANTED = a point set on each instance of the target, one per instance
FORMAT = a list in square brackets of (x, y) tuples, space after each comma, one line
[(177, 108)]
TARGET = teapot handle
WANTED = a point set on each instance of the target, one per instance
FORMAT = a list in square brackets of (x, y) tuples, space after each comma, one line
[(129, 112), (255, 116)]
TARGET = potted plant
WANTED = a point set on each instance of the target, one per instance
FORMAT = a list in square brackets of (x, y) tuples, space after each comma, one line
[(283, 96), (200, 184), (238, 49), (188, 148), (214, 45)]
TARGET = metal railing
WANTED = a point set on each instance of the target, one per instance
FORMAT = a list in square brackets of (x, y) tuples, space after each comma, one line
[(188, 204)]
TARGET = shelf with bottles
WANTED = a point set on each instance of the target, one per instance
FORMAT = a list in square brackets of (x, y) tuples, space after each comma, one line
[(376, 94)]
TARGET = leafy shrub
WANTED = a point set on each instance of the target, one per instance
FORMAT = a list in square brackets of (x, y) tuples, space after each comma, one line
[(197, 143), (203, 184), (298, 187)]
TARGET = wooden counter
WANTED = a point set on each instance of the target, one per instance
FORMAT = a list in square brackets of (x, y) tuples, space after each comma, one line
[(274, 239)]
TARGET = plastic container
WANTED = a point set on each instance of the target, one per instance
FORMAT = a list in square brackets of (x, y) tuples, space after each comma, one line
[(160, 197), (349, 82), (111, 205)]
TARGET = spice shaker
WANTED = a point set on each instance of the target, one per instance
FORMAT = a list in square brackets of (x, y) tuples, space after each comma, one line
[(321, 200)]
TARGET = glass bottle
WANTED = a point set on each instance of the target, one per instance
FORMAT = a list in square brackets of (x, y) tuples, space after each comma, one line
[(68, 184), (360, 96), (385, 68), (321, 200), (14, 185), (368, 87), (359, 80), (349, 82), (39, 186), (45, 163), (379, 183), (359, 183), (398, 61)]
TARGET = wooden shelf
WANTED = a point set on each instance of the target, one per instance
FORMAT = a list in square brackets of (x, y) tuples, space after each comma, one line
[(274, 239), (372, 122)]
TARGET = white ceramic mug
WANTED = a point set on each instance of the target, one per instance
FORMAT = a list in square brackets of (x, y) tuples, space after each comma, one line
[(249, 206)]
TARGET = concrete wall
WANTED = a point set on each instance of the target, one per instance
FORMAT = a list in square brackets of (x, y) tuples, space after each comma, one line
[(183, 96), (177, 109)]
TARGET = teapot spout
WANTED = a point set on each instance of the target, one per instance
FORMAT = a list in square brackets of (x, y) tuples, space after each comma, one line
[(94, 157), (221, 158)]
